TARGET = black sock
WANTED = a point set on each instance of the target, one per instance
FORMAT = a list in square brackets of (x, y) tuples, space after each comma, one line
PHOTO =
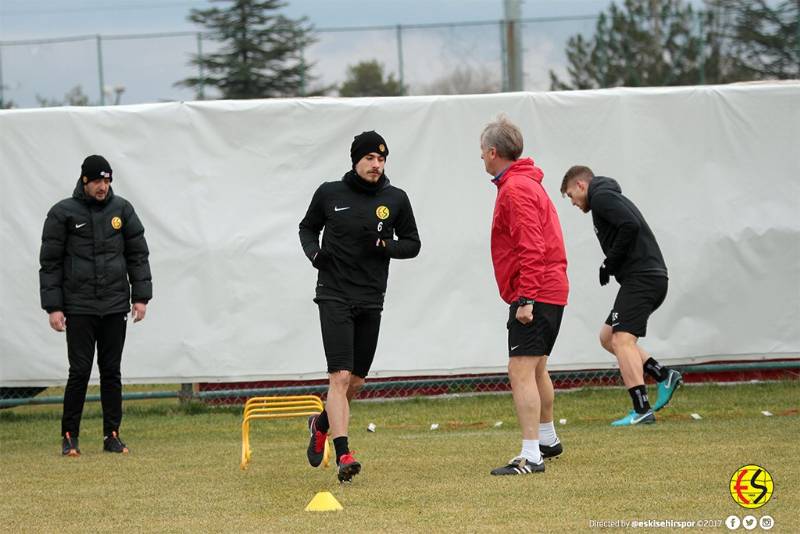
[(322, 423), (654, 369), (340, 444), (640, 401)]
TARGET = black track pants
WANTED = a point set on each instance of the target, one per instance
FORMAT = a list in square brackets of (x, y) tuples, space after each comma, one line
[(84, 332)]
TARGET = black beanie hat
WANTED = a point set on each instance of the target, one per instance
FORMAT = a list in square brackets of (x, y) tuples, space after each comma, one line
[(367, 142), (95, 168)]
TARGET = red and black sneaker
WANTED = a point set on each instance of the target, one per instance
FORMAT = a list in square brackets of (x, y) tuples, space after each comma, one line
[(69, 445), (348, 467), (316, 442), (112, 443)]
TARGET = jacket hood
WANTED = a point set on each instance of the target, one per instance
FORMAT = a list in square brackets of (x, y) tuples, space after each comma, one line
[(600, 184), (79, 194), (522, 167)]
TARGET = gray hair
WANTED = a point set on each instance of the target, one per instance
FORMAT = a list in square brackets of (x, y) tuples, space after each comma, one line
[(504, 136)]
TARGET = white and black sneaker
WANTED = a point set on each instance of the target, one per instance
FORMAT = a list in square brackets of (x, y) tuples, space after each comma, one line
[(551, 451), (519, 466)]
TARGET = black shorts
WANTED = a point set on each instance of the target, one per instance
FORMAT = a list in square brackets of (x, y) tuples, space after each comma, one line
[(637, 299), (538, 337), (349, 335)]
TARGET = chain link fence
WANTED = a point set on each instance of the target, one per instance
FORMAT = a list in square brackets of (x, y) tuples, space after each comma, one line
[(218, 394), (412, 386), (442, 58)]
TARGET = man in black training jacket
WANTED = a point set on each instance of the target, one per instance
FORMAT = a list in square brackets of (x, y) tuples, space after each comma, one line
[(633, 257), (361, 214), (94, 263)]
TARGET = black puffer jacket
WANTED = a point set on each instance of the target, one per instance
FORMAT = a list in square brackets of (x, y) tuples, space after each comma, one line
[(93, 257), (625, 237)]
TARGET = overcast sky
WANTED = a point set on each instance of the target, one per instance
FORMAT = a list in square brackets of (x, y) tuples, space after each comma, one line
[(148, 68)]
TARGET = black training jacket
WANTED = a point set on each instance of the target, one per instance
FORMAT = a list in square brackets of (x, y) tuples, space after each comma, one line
[(93, 257), (355, 215), (626, 239)]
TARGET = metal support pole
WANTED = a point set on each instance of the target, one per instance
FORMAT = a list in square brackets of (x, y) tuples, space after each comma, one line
[(400, 56), (303, 72), (701, 52), (513, 14), (200, 74), (797, 42), (603, 63), (186, 394), (503, 64), (2, 99), (100, 70)]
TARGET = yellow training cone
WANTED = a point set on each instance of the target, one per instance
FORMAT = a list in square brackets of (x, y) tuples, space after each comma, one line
[(323, 501)]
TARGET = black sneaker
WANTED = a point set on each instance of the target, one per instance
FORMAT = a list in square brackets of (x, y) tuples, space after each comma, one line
[(551, 451), (69, 445), (519, 466), (348, 467), (316, 443), (112, 443)]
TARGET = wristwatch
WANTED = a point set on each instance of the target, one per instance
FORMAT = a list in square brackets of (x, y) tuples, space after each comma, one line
[(523, 301)]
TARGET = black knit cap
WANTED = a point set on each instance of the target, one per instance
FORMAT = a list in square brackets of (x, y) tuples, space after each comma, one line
[(367, 142), (95, 168)]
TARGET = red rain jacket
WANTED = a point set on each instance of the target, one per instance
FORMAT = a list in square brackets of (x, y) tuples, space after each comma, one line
[(527, 245)]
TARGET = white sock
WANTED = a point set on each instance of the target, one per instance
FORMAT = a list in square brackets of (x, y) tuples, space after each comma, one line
[(547, 434), (530, 450)]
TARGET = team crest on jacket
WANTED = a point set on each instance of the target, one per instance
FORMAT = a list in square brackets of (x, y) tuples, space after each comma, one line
[(116, 223), (382, 212)]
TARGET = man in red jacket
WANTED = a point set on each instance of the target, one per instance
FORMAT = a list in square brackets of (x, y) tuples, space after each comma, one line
[(530, 266)]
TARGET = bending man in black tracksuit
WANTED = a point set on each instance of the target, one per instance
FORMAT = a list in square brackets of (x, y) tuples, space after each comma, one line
[(94, 263), (634, 259), (361, 214)]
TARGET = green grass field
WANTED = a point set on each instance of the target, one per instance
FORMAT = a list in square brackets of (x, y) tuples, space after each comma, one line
[(183, 474)]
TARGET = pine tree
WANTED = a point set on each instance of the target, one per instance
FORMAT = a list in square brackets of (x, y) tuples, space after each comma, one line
[(366, 79), (764, 37), (648, 43), (260, 53)]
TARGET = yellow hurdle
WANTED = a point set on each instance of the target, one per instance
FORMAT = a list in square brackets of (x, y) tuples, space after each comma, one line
[(278, 408)]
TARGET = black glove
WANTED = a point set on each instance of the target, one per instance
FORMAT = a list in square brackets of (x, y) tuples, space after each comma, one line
[(378, 246), (605, 276), (321, 260), (375, 243)]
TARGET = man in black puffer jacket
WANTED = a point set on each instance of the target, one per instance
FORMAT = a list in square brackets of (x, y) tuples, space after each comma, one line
[(633, 257), (361, 214), (94, 263)]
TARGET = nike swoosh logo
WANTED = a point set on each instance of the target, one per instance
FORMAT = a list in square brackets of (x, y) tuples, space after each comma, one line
[(336, 208), (80, 225), (669, 380), (644, 415), (514, 347), (614, 324)]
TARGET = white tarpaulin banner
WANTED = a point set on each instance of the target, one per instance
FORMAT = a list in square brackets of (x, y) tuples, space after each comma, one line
[(222, 186)]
